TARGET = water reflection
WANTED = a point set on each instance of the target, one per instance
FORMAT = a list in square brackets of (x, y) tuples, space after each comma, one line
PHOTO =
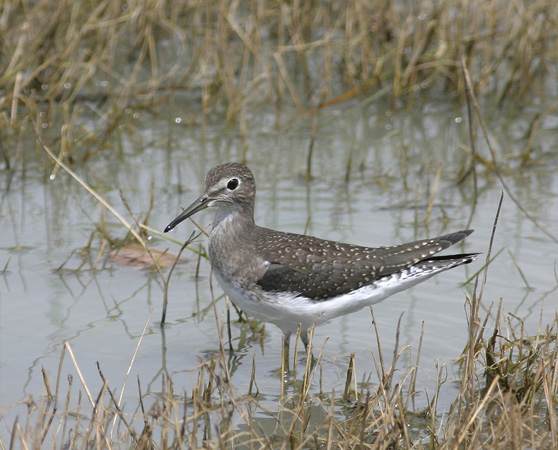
[(59, 286)]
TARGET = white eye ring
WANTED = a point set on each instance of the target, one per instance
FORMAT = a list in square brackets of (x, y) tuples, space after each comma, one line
[(233, 184)]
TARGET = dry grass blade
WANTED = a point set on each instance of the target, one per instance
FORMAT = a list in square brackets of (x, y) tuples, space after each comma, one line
[(166, 280), (133, 358), (81, 378), (101, 200)]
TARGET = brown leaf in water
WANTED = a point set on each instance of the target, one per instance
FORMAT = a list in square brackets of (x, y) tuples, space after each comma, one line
[(135, 255)]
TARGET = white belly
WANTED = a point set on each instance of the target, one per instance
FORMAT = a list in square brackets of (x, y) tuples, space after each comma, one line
[(287, 310)]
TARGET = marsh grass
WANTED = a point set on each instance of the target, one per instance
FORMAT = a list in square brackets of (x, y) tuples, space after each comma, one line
[(508, 400), (67, 62)]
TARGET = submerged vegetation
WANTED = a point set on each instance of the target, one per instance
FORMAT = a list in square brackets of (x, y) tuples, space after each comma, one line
[(66, 64)]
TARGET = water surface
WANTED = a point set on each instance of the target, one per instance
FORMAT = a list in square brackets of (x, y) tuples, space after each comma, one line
[(60, 285)]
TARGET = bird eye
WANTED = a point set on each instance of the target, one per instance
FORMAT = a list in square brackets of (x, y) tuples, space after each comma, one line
[(232, 184)]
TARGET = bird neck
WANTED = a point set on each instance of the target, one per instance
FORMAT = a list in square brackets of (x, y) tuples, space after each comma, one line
[(232, 232), (239, 218)]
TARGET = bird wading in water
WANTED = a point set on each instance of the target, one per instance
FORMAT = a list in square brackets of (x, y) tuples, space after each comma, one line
[(293, 280)]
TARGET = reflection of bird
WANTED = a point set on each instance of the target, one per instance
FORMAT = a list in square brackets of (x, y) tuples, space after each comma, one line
[(290, 279)]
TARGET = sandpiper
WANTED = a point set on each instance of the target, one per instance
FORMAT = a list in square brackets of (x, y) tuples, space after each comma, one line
[(294, 280)]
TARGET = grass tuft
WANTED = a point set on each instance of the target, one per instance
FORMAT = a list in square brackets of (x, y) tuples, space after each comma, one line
[(510, 401)]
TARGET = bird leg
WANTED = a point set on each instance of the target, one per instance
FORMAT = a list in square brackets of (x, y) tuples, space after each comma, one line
[(307, 346), (286, 342)]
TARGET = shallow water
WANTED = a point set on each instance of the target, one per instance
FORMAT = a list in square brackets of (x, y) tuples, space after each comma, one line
[(54, 292)]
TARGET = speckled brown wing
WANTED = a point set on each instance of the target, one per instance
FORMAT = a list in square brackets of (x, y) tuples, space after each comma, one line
[(321, 269)]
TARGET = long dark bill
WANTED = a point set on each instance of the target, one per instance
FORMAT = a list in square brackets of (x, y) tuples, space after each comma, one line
[(198, 205)]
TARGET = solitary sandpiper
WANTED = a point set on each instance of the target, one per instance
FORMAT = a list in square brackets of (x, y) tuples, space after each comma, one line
[(294, 280)]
